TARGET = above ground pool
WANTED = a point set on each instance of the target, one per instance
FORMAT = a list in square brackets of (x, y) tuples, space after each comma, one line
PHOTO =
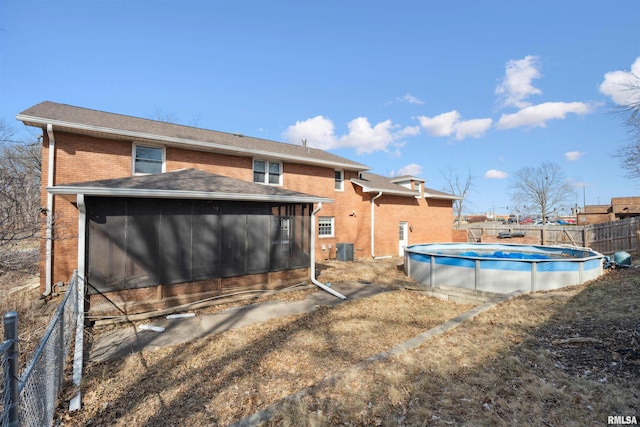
[(501, 268)]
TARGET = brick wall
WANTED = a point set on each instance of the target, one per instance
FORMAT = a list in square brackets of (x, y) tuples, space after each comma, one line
[(84, 158)]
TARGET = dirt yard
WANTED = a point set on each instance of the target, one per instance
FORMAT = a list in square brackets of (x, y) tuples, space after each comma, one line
[(565, 357)]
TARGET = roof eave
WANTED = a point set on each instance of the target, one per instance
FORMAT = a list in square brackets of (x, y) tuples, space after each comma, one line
[(407, 179), (442, 197), (181, 194), (210, 146), (386, 191)]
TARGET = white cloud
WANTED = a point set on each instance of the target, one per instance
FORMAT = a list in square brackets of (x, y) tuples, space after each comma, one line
[(407, 131), (572, 156), (408, 98), (365, 138), (319, 132), (472, 128), (623, 87), (396, 152), (412, 169), (495, 174), (538, 115), (516, 85), (446, 124), (440, 125), (411, 99)]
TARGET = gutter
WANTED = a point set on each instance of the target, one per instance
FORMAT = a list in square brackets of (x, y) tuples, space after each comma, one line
[(373, 224), (69, 190), (49, 231), (78, 349), (313, 257)]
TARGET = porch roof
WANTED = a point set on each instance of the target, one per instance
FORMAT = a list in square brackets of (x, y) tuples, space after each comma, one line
[(372, 183), (185, 184)]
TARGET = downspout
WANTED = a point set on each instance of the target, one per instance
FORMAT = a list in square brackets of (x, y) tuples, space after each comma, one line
[(373, 224), (49, 231), (313, 256), (78, 350)]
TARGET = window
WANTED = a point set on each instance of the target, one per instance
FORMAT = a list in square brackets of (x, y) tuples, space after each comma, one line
[(148, 159), (402, 230), (325, 226), (266, 172), (339, 179)]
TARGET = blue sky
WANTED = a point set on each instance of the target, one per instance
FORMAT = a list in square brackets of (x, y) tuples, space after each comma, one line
[(405, 87)]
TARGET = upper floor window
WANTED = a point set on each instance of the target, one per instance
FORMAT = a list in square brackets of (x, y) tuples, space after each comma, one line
[(417, 186), (266, 172), (148, 159), (339, 180)]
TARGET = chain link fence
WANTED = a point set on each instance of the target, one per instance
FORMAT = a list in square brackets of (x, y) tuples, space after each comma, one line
[(9, 361), (30, 400)]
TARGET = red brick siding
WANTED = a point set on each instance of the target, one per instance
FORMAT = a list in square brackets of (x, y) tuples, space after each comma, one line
[(84, 158), (460, 236), (430, 220), (221, 164)]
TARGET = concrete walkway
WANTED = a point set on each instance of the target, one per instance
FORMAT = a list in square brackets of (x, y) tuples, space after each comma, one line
[(123, 341)]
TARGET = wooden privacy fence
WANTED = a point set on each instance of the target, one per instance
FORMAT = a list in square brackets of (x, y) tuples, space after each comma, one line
[(616, 236), (606, 238)]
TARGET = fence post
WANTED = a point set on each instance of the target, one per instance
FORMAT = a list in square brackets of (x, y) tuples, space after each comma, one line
[(11, 397), (60, 347), (585, 237)]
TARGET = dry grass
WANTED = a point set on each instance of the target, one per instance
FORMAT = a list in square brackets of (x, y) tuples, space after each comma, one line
[(566, 357), (19, 293)]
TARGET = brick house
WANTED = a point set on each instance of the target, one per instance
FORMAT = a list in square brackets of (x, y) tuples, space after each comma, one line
[(620, 208), (154, 214)]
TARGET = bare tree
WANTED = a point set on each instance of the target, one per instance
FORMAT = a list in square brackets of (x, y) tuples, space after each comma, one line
[(458, 187), (629, 155), (543, 187), (20, 217), (162, 116)]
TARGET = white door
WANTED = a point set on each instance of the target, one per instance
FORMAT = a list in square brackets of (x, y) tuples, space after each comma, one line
[(403, 237)]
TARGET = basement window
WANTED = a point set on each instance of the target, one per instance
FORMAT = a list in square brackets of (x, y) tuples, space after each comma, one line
[(325, 226)]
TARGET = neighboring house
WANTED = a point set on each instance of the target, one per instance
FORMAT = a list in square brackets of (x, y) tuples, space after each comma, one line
[(620, 208), (156, 215)]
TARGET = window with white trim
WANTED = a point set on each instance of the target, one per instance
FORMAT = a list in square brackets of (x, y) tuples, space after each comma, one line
[(148, 159), (325, 226), (339, 180), (266, 172)]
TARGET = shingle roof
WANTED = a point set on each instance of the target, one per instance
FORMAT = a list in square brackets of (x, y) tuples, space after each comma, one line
[(372, 183), (187, 184), (404, 178), (430, 193), (110, 125)]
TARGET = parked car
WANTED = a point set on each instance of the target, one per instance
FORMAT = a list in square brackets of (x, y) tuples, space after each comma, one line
[(526, 221), (566, 221), (546, 223)]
